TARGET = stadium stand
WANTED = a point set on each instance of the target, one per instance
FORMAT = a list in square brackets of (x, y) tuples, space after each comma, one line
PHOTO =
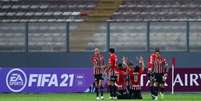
[(82, 38), (195, 36), (99, 10), (85, 35), (158, 10), (44, 10), (47, 37), (130, 36), (12, 37), (168, 36)]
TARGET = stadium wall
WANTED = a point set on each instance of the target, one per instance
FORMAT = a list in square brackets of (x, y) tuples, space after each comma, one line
[(83, 59)]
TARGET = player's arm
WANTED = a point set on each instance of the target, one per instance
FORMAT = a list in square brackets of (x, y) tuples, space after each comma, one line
[(106, 69), (94, 62), (103, 66), (125, 61), (108, 66), (103, 61), (141, 62), (109, 62), (150, 66), (150, 63), (166, 66)]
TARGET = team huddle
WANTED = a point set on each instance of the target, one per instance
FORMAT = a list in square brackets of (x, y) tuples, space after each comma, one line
[(124, 77)]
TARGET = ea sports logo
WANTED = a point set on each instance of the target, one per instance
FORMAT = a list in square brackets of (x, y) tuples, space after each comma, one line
[(16, 80)]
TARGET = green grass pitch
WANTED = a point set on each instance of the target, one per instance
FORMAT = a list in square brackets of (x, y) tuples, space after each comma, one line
[(91, 97)]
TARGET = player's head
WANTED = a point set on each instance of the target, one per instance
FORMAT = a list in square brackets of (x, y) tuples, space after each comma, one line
[(120, 66), (157, 51), (96, 51), (136, 68), (111, 50), (130, 64)]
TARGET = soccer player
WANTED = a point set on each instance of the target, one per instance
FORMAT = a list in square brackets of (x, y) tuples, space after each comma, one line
[(98, 66), (158, 69), (121, 82), (125, 62), (112, 66), (135, 79), (127, 66)]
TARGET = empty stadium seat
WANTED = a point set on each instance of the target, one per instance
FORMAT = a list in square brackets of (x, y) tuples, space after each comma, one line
[(60, 10), (12, 37), (47, 37), (128, 36), (158, 10), (170, 36), (195, 36), (69, 10)]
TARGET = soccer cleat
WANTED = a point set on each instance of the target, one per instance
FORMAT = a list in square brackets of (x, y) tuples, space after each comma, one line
[(97, 98), (156, 98), (102, 97), (162, 95), (114, 98), (110, 98), (152, 97)]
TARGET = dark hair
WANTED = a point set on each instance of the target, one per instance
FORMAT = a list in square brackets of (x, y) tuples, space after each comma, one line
[(136, 68), (130, 64), (157, 50), (111, 50), (120, 66)]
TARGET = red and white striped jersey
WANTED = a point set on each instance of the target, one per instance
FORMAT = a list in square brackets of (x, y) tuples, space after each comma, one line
[(98, 63), (157, 64)]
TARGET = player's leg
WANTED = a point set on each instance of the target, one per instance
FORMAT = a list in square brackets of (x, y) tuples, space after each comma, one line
[(127, 85), (110, 89), (119, 93), (156, 86), (112, 86), (128, 88), (97, 91), (130, 92), (135, 95), (155, 91), (152, 89), (151, 84), (122, 94), (138, 90), (162, 86), (114, 91), (140, 94), (101, 87), (162, 90), (97, 87)]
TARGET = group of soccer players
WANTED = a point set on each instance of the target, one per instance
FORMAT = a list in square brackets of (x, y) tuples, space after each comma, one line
[(124, 77)]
